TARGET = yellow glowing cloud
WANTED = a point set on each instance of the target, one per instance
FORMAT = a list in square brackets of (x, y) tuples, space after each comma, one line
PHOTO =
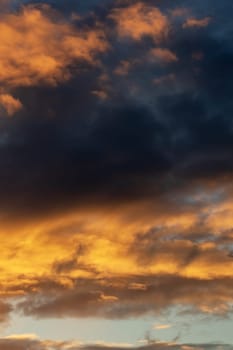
[(118, 254), (106, 244)]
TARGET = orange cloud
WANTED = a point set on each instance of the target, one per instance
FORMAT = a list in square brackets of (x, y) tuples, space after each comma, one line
[(123, 68), (139, 20), (180, 12), (119, 264), (198, 23), (163, 55), (10, 104), (38, 48)]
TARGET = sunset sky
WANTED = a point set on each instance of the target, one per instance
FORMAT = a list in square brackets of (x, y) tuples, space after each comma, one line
[(116, 175)]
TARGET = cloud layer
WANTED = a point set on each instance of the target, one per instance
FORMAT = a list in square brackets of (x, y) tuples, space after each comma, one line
[(116, 164), (31, 342)]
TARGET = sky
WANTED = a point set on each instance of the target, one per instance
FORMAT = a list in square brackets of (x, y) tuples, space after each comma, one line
[(116, 169)]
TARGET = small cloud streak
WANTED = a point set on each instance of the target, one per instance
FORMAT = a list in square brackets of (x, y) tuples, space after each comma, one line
[(198, 23), (162, 326), (163, 55)]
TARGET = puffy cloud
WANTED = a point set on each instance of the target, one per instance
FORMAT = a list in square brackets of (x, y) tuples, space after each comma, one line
[(10, 104), (139, 20), (39, 47)]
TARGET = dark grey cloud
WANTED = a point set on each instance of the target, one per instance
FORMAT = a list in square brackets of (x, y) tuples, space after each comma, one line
[(66, 146), (131, 297), (5, 310)]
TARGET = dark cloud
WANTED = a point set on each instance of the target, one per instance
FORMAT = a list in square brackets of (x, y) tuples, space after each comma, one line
[(5, 309), (135, 296), (66, 146)]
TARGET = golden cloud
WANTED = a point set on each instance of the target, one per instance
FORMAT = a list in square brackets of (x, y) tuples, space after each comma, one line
[(118, 264)]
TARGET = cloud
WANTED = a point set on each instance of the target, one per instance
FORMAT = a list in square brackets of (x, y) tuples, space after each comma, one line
[(39, 47), (10, 104), (139, 20), (139, 136), (162, 326), (123, 68), (117, 175), (103, 266), (18, 342), (194, 22), (5, 310), (4, 4), (180, 12), (163, 55), (115, 299)]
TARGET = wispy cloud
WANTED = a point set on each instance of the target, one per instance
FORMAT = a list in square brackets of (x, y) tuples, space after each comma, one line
[(162, 326)]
